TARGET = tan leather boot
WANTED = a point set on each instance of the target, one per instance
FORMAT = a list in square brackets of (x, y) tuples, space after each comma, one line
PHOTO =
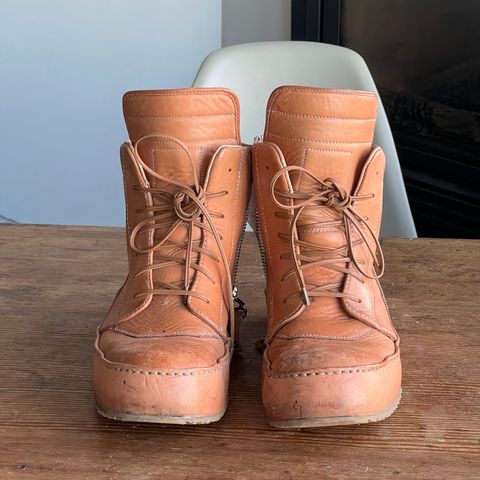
[(163, 352), (332, 354)]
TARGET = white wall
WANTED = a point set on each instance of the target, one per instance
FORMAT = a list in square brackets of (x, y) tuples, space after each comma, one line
[(64, 66), (246, 21)]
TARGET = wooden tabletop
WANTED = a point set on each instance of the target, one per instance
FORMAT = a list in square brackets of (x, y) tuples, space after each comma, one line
[(56, 284)]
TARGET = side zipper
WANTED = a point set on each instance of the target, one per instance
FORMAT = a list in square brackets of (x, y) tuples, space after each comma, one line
[(258, 233), (239, 248), (240, 309)]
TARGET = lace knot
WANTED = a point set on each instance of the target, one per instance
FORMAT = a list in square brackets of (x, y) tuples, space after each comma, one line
[(336, 196), (186, 203)]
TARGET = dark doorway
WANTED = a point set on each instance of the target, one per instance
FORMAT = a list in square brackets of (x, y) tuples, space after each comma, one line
[(425, 59)]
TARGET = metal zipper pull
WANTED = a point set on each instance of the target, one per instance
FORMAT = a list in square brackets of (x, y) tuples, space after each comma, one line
[(240, 313), (239, 304)]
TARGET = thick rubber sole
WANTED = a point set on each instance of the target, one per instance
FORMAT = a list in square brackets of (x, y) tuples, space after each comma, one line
[(336, 421), (132, 417)]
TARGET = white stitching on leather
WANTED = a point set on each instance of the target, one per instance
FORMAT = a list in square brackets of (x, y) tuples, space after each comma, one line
[(367, 318), (325, 142), (154, 168), (192, 307), (166, 334), (150, 93), (266, 243), (320, 91), (273, 97), (153, 117), (165, 374), (326, 337), (173, 149), (320, 229), (155, 150), (347, 153), (146, 302), (328, 150), (210, 140), (187, 91), (235, 204), (127, 223), (305, 153), (334, 372), (362, 315), (280, 112)]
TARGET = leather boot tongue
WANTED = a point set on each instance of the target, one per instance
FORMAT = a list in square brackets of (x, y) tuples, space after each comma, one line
[(169, 160), (330, 134)]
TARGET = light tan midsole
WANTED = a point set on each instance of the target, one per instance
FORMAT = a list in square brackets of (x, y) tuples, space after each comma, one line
[(133, 417), (333, 421)]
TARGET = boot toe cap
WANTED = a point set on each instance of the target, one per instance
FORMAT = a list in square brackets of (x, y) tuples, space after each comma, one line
[(174, 379), (327, 382), (304, 354), (166, 352)]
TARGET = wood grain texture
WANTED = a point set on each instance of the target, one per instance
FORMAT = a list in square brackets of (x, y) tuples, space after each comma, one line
[(56, 284)]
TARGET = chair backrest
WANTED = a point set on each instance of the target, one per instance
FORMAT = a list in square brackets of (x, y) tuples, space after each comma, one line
[(253, 70)]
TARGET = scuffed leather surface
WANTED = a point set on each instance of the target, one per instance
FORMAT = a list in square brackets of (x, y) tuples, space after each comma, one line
[(158, 354), (329, 133), (368, 348), (181, 351)]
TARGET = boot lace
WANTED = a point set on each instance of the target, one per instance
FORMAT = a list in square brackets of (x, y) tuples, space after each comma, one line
[(305, 254), (187, 206)]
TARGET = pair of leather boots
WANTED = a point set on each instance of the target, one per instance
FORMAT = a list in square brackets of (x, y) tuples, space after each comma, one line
[(331, 353)]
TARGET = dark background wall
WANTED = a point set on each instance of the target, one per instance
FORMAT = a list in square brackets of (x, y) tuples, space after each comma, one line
[(425, 59)]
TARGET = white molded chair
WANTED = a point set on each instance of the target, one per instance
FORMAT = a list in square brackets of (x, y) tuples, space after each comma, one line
[(253, 70)]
